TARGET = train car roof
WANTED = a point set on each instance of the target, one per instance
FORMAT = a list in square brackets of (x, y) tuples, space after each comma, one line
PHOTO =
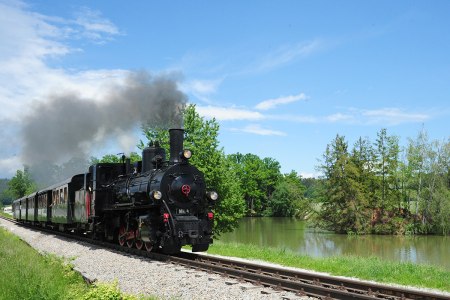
[(68, 180), (31, 195), (20, 199)]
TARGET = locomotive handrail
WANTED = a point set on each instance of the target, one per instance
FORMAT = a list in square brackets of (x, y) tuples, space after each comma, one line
[(171, 218)]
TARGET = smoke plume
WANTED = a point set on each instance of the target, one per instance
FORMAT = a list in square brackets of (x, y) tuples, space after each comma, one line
[(68, 126)]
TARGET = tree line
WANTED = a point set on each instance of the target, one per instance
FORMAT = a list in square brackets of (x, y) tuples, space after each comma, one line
[(372, 188), (379, 187)]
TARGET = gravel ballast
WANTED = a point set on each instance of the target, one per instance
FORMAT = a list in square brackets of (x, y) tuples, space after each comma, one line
[(141, 276)]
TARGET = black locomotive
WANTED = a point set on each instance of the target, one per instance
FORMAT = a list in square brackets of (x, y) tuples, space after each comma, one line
[(158, 204)]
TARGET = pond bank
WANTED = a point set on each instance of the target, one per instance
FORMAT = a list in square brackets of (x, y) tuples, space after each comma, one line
[(293, 235), (363, 268)]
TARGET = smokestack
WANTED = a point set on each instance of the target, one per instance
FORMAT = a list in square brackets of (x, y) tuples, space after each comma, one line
[(176, 144)]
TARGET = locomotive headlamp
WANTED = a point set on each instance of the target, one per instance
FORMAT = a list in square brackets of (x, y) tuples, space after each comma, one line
[(212, 195), (157, 195), (186, 154)]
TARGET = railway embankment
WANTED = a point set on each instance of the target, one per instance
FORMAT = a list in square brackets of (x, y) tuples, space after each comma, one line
[(140, 276), (94, 268)]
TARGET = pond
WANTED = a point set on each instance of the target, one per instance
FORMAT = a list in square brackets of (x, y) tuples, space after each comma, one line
[(294, 235)]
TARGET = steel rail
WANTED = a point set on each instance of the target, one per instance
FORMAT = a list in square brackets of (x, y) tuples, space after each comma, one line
[(363, 287)]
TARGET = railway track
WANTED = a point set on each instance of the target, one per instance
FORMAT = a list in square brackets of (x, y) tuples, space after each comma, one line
[(302, 283)]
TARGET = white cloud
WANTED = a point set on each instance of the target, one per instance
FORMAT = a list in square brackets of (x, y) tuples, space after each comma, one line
[(382, 116), (204, 86), (93, 26), (339, 117), (286, 54), (271, 103), (28, 41), (393, 116), (228, 113), (294, 118), (201, 89), (257, 129)]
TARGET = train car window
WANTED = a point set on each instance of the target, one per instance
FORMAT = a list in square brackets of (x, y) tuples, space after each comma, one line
[(61, 196), (65, 194)]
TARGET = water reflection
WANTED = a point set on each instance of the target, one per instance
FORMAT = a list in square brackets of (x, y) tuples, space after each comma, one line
[(294, 235)]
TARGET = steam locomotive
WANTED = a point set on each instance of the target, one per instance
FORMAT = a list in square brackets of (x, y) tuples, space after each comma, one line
[(160, 205)]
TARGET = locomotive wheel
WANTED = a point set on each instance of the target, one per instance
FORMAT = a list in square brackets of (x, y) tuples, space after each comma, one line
[(122, 237), (139, 244), (130, 243), (148, 246)]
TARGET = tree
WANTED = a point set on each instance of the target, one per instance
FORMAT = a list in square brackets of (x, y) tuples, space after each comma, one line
[(249, 169), (372, 190), (340, 210), (365, 180), (288, 198), (111, 158), (387, 152), (258, 179), (21, 184), (435, 208), (201, 137), (5, 198), (313, 189), (416, 156)]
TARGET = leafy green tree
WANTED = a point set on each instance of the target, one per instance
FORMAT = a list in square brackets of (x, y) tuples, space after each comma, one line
[(365, 180), (372, 190), (313, 189), (288, 198), (387, 154), (111, 158), (271, 176), (340, 210), (416, 156), (201, 137), (5, 197), (435, 207), (21, 184), (249, 169), (258, 179)]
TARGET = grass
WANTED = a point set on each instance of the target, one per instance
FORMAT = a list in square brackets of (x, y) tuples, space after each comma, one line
[(26, 274), (29, 275), (2, 213), (371, 268)]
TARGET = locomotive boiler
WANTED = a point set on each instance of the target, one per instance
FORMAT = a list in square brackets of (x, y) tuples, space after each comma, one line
[(157, 204)]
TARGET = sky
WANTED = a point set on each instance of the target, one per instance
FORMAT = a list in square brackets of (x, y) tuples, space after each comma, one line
[(282, 78)]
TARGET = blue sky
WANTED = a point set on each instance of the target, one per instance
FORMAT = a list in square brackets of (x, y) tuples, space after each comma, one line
[(281, 77)]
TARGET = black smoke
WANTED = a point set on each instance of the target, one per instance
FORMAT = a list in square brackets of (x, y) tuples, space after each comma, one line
[(68, 127)]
